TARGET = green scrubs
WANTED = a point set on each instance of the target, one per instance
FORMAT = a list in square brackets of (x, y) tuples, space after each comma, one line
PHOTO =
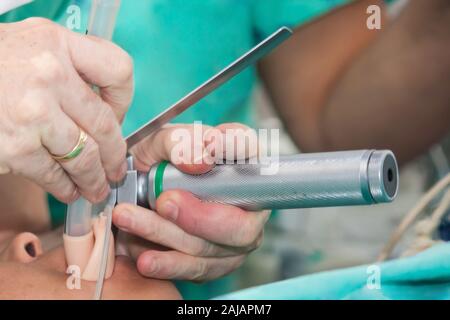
[(176, 45)]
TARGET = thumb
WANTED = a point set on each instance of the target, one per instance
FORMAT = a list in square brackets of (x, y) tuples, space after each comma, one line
[(179, 144)]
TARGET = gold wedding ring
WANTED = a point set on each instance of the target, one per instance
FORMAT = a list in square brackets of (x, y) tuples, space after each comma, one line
[(75, 151)]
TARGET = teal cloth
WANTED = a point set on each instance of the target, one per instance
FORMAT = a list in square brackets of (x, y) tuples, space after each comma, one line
[(423, 276), (178, 44)]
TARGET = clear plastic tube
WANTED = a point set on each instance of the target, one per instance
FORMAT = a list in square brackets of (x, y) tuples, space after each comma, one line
[(101, 24), (78, 218), (103, 18)]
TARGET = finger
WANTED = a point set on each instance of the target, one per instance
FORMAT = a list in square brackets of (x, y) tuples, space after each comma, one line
[(133, 246), (180, 266), (150, 226), (239, 141), (105, 65), (39, 167), (183, 145), (86, 171), (222, 224), (30, 158), (96, 117)]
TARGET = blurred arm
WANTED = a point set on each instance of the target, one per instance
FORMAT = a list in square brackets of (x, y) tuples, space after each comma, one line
[(23, 205), (338, 85)]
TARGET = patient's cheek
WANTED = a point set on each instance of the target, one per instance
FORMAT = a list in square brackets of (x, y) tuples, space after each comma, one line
[(86, 251)]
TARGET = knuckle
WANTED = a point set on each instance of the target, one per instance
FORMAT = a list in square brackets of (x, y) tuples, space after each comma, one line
[(31, 112), (124, 66), (88, 98), (88, 159), (201, 271), (67, 193), (196, 246), (37, 21), (205, 249), (52, 174), (45, 33), (48, 30), (97, 186), (49, 70), (151, 232), (21, 148), (186, 242)]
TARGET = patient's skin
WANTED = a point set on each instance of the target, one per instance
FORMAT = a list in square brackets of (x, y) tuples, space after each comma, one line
[(26, 272)]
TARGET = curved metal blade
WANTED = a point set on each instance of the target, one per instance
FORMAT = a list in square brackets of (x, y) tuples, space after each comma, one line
[(249, 58)]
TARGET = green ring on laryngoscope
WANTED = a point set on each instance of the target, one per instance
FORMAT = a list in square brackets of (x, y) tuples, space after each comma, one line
[(158, 182)]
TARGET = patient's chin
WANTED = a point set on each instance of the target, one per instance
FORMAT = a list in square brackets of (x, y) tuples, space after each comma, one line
[(127, 283)]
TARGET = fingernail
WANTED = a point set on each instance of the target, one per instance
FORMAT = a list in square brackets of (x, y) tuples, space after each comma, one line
[(151, 266), (169, 210), (124, 219)]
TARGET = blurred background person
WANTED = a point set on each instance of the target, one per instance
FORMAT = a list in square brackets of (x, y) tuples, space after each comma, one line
[(392, 94)]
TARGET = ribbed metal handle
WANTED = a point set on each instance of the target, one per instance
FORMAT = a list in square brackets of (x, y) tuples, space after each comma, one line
[(301, 181)]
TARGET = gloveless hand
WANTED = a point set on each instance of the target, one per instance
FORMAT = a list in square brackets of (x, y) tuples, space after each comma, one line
[(185, 238), (46, 73)]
